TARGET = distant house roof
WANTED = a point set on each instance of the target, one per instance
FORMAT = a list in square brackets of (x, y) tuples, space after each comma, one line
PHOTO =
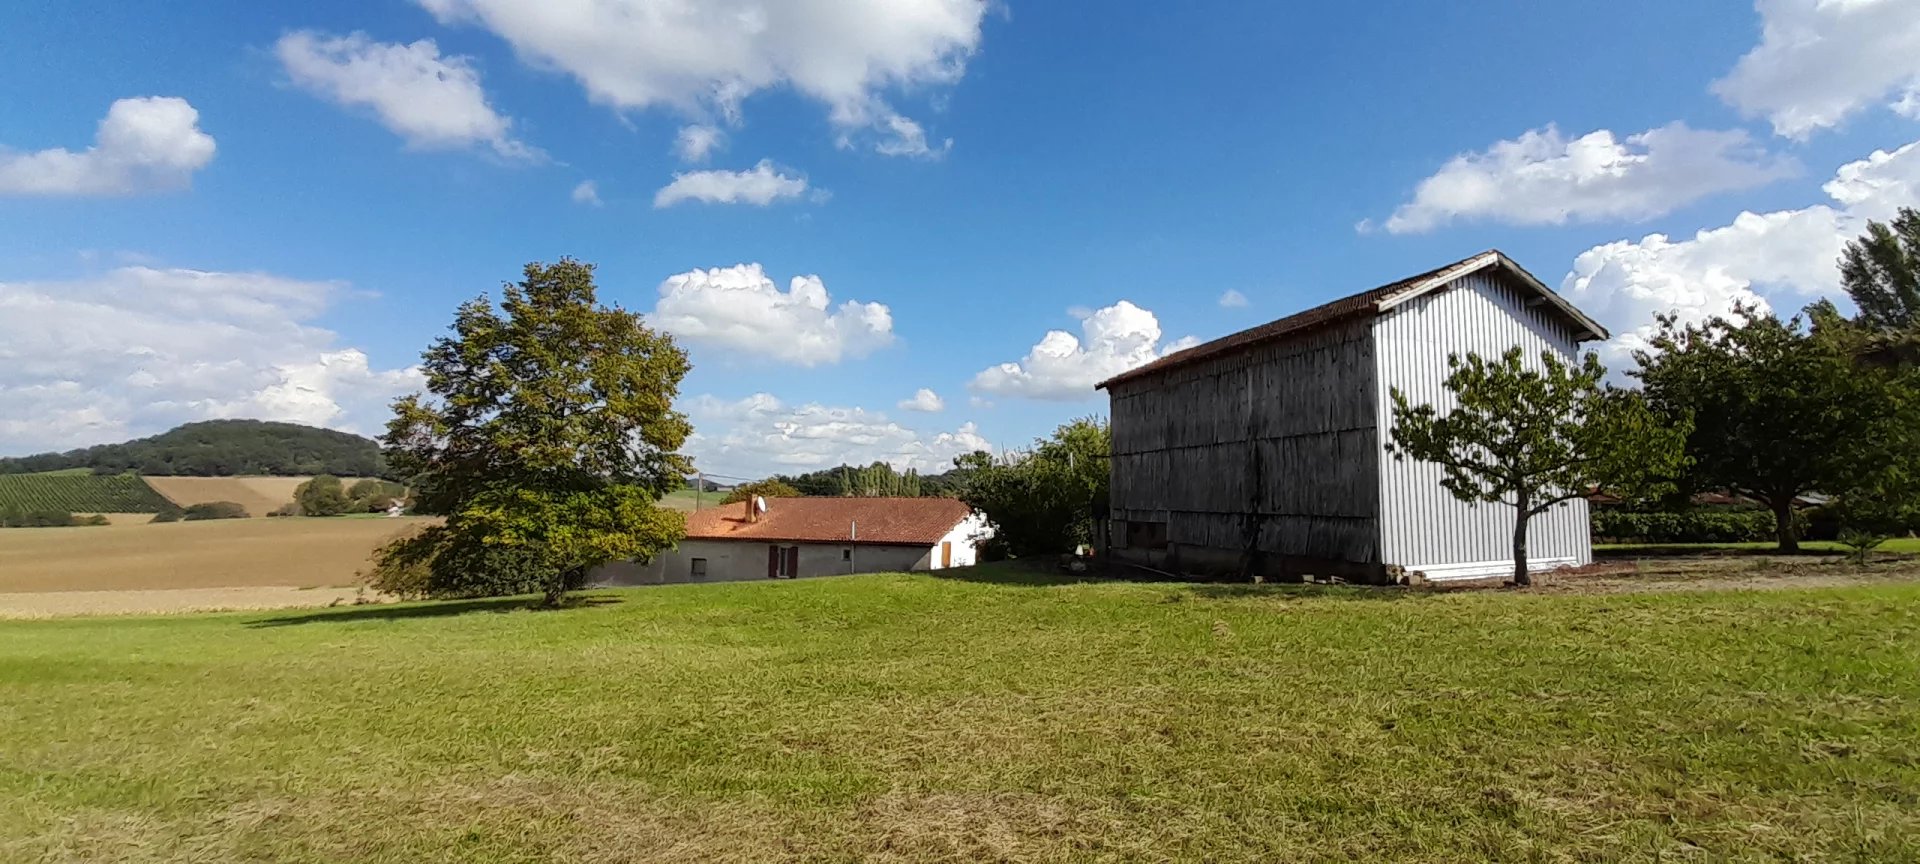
[(1367, 303), (880, 521)]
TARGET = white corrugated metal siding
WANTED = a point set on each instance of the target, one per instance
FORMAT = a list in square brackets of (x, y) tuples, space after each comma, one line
[(1422, 526)]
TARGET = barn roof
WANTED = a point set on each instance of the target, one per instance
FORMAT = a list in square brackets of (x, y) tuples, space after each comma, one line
[(880, 521), (1376, 301)]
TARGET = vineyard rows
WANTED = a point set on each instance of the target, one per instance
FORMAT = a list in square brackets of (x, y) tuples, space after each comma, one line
[(79, 493)]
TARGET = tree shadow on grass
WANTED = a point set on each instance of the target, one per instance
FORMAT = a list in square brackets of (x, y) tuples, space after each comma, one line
[(1290, 590), (1043, 575), (1627, 553), (431, 609)]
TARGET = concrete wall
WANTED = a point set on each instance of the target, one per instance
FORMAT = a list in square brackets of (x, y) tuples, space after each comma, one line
[(740, 560), (965, 538), (1423, 527)]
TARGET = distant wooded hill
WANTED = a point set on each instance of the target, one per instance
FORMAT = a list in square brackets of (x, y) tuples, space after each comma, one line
[(221, 448)]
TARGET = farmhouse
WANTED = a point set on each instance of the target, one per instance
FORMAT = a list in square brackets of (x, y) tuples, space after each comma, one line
[(795, 537), (1264, 452)]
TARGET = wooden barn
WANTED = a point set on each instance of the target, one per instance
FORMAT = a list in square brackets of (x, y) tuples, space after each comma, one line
[(1264, 452)]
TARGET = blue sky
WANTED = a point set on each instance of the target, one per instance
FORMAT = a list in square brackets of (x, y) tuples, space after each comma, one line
[(286, 201)]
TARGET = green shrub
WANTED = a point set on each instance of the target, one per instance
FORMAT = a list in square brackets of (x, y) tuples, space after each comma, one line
[(322, 496), (291, 508), (437, 562), (17, 518), (1683, 526), (168, 514), (214, 510), (373, 496)]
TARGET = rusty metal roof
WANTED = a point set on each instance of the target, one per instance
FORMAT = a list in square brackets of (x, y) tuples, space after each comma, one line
[(1366, 303)]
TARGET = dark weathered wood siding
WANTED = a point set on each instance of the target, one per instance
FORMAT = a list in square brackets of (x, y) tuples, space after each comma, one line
[(1274, 448)]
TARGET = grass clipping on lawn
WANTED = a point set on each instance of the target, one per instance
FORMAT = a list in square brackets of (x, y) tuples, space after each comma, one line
[(991, 717)]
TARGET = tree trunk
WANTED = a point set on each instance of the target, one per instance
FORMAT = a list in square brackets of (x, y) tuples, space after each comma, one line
[(1520, 575), (1783, 524)]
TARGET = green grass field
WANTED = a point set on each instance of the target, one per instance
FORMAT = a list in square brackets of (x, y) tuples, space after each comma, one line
[(80, 492), (991, 717), (686, 499)]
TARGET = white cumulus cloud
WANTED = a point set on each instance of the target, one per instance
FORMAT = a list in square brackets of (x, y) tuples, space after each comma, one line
[(697, 141), (149, 144), (588, 193), (1821, 61), (1781, 260), (137, 350), (739, 308), (1545, 178), (761, 435), (1063, 367), (924, 400), (706, 58), (1231, 299), (431, 101), (759, 186), (904, 137)]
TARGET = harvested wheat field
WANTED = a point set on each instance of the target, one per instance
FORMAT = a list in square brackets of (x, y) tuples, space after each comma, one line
[(230, 553), (260, 495)]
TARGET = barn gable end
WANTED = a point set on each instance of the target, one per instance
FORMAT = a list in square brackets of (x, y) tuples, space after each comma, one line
[(1422, 526)]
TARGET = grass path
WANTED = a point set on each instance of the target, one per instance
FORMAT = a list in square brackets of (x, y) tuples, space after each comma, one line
[(911, 718)]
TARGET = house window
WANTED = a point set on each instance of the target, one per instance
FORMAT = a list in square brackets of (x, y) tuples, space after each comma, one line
[(846, 554), (699, 569)]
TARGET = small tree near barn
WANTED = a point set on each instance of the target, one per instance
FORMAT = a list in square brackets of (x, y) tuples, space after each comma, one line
[(1534, 439)]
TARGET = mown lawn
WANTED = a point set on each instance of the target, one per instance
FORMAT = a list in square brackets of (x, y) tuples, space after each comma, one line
[(911, 718)]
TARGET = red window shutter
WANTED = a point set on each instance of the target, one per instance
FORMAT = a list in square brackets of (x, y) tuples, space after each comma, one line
[(793, 561), (773, 562)]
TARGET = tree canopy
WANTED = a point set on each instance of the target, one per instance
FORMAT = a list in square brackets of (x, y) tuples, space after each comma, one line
[(221, 448), (546, 437), (1779, 409), (1881, 272), (1042, 501), (762, 488), (324, 495), (878, 480), (1535, 438)]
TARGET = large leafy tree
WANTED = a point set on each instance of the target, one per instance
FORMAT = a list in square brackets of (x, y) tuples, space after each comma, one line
[(1881, 272), (1043, 500), (1534, 438), (1779, 409), (546, 437)]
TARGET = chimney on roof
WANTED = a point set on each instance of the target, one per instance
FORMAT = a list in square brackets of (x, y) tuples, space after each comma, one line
[(751, 515)]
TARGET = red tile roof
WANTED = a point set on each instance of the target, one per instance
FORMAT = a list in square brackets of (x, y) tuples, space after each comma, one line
[(1364, 303), (881, 521)]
